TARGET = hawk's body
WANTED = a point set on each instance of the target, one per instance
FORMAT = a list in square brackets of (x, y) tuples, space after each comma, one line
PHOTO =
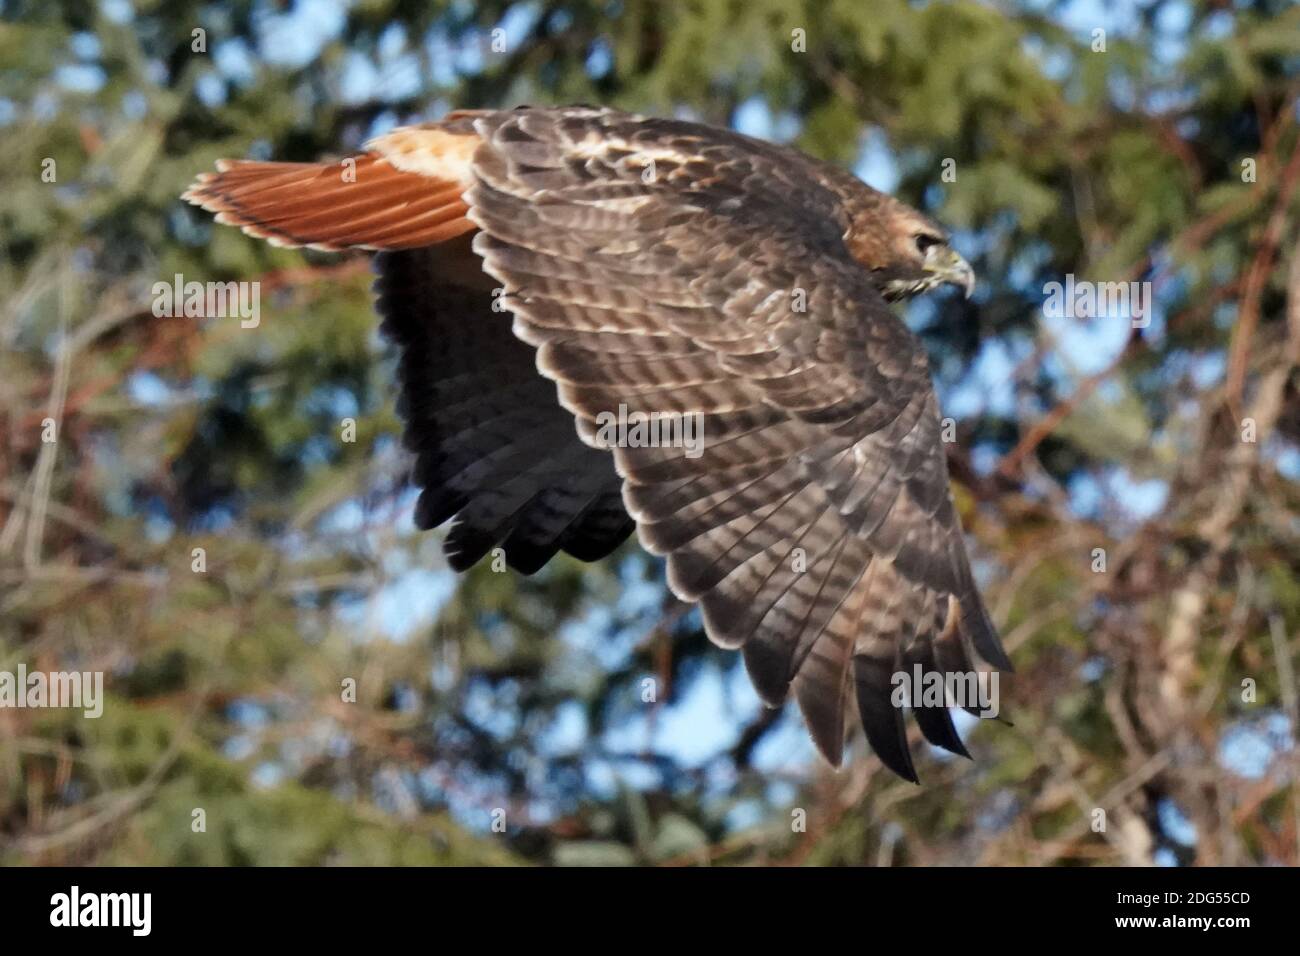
[(668, 267)]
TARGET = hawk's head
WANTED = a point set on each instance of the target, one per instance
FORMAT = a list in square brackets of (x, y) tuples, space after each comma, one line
[(907, 252)]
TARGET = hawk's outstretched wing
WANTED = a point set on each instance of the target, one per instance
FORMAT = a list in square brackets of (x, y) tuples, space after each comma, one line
[(665, 268), (493, 448), (816, 529)]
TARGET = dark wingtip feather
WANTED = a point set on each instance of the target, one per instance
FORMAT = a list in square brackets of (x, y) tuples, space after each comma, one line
[(827, 733), (768, 666), (593, 543), (881, 720), (466, 545), (436, 506), (935, 722), (975, 622), (529, 558)]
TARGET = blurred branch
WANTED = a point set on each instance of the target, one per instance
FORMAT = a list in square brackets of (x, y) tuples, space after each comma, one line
[(1291, 706), (1257, 276), (1010, 464)]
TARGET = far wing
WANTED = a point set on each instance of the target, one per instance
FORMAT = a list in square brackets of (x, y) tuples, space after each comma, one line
[(494, 451)]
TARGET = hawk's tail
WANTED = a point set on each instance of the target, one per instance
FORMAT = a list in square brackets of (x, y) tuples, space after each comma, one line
[(404, 192)]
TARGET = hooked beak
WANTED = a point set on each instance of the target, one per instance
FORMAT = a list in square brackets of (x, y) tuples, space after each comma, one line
[(946, 265)]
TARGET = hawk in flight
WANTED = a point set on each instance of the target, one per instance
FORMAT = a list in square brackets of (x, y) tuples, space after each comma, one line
[(672, 269)]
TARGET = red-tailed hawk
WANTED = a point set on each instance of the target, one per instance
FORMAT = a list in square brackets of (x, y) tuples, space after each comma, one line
[(667, 270)]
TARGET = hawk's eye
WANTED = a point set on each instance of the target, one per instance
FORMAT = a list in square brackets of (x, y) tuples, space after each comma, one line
[(924, 242)]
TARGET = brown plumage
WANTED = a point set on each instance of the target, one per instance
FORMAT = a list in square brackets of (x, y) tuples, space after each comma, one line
[(668, 268)]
